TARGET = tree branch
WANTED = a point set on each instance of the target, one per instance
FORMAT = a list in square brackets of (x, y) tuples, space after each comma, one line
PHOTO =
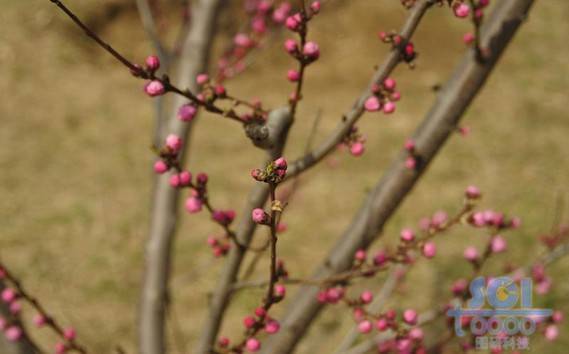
[(280, 121), (154, 297), (453, 100)]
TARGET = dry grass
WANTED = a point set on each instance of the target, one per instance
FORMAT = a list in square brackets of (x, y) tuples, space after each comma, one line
[(75, 160)]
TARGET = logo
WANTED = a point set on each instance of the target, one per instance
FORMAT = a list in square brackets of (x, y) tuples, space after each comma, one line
[(500, 313)]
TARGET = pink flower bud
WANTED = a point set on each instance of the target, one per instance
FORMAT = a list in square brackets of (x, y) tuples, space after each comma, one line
[(13, 333), (60, 348), (280, 290), (249, 321), (259, 25), (472, 192), (333, 295), (290, 46), (202, 178), (292, 22), (409, 145), (429, 249), (253, 345), (185, 178), (69, 334), (365, 326), (259, 216), (471, 254), (381, 324), (272, 327), (557, 316), (366, 297), (311, 50), (281, 163), (15, 307), (498, 244), (152, 63), (410, 163), (202, 79), (395, 96), (410, 317), (357, 149), (372, 104), (154, 88), (160, 167), (468, 38), (407, 235), (293, 75), (193, 205), (389, 107), (380, 258), (462, 10), (243, 40), (360, 255), (174, 142), (439, 219), (220, 90), (315, 7), (551, 332), (9, 295), (515, 222), (39, 320), (187, 112), (416, 333), (223, 342), (389, 83), (175, 181)]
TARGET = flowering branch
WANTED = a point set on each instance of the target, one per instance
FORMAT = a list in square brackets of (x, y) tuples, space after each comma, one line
[(390, 191)]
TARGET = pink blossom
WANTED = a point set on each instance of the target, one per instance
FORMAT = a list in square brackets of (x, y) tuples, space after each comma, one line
[(407, 235), (416, 333), (409, 145), (187, 112), (174, 142), (243, 40), (557, 316), (290, 46), (69, 334), (154, 88), (462, 10), (152, 63), (160, 167), (272, 327), (293, 75), (315, 7), (472, 192), (366, 297), (185, 178), (15, 307), (259, 25), (468, 38), (259, 216), (249, 321), (372, 104), (293, 22), (202, 79), (389, 83), (357, 149), (498, 244), (13, 333), (193, 205), (223, 342), (381, 324), (281, 163), (280, 290), (395, 96), (429, 249), (471, 254), (389, 107), (551, 332), (360, 255), (410, 163), (365, 326), (311, 50), (60, 348), (410, 317), (380, 258), (9, 295), (253, 345), (39, 320)]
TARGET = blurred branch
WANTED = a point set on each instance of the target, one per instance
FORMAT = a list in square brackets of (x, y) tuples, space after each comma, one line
[(279, 122), (149, 26), (193, 60), (453, 100)]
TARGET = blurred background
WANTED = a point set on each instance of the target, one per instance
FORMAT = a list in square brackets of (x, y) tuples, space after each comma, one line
[(76, 177)]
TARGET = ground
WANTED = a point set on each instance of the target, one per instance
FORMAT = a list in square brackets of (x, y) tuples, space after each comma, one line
[(76, 176)]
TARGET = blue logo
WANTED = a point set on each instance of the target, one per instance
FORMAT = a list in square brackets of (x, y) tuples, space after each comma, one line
[(499, 307)]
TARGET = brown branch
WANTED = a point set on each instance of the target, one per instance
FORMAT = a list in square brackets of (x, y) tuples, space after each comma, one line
[(391, 190), (193, 60), (349, 119), (279, 122)]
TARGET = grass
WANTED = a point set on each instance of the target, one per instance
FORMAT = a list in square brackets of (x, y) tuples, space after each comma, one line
[(76, 176)]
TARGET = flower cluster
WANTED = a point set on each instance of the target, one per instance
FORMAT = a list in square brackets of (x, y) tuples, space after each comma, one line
[(383, 97), (273, 173)]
